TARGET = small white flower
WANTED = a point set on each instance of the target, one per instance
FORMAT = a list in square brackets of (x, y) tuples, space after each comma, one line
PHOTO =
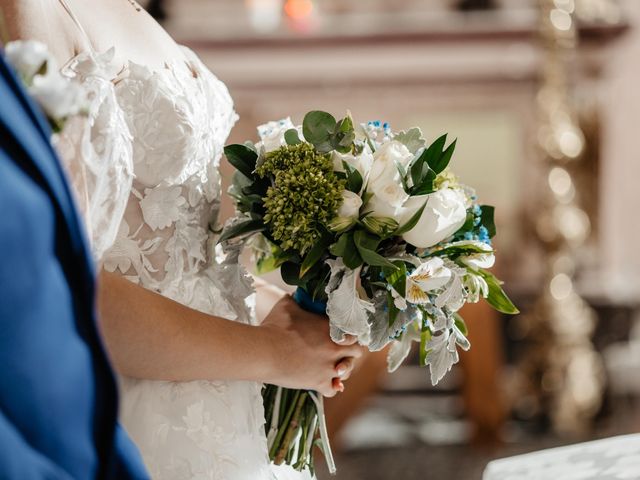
[(429, 276), (272, 134), (443, 215), (351, 203), (485, 259), (476, 287), (28, 57)]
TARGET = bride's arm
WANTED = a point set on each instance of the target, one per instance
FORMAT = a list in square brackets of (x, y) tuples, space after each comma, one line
[(150, 336)]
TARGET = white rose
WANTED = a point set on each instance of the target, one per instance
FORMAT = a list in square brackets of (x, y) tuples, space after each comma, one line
[(272, 133), (57, 95), (361, 162), (384, 180), (28, 56), (444, 214), (351, 203)]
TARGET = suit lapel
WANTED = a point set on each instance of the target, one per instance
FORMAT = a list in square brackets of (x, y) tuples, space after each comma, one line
[(19, 116)]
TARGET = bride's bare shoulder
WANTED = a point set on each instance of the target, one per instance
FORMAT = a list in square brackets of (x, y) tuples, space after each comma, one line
[(46, 22)]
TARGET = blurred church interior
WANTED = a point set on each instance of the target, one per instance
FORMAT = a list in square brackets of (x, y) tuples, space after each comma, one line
[(543, 98)]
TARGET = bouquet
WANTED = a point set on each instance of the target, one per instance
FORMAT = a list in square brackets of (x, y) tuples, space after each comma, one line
[(372, 228)]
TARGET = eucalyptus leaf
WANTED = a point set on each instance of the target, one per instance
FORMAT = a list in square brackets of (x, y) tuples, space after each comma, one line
[(291, 137), (317, 128)]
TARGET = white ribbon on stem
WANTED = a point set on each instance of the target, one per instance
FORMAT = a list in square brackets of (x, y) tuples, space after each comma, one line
[(324, 436)]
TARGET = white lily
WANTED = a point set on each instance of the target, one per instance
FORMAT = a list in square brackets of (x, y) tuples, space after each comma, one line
[(484, 259), (429, 276), (476, 287)]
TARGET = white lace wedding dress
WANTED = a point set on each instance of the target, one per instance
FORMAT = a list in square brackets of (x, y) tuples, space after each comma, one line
[(145, 167)]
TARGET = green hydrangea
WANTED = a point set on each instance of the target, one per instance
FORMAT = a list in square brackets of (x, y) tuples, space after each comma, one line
[(304, 197)]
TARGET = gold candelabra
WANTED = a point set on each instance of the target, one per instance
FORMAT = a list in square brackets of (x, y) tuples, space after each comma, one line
[(561, 373)]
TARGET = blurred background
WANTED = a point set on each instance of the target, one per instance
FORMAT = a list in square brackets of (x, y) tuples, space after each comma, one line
[(543, 98)]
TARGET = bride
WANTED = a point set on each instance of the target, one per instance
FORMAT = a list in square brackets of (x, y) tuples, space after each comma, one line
[(176, 311)]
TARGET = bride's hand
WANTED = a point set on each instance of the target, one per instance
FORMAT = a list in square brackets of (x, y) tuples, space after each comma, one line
[(304, 356)]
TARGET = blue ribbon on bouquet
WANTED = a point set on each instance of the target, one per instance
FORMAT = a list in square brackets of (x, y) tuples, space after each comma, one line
[(306, 301)]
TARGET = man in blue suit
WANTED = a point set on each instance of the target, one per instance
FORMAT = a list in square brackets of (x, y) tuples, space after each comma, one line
[(58, 399)]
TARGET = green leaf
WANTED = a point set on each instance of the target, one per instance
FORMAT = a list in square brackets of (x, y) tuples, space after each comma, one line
[(419, 168), (442, 161), (354, 178), (487, 220), (434, 152), (315, 254), (242, 228), (366, 245), (393, 310), (317, 128), (497, 298), (290, 272), (455, 251), (412, 139), (345, 248), (426, 186), (291, 137), (459, 322), (413, 221), (397, 277), (242, 158), (425, 336), (343, 135), (383, 227)]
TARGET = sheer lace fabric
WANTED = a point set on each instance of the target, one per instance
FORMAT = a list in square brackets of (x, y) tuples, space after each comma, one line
[(145, 166)]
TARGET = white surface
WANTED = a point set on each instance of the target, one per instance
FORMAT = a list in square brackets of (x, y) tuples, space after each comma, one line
[(614, 458)]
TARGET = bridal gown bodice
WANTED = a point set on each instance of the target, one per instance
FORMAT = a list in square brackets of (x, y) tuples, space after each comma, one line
[(145, 166)]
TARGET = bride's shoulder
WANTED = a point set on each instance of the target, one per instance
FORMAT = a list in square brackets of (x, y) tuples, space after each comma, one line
[(41, 21)]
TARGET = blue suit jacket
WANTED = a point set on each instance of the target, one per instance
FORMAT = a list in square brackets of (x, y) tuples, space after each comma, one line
[(58, 399)]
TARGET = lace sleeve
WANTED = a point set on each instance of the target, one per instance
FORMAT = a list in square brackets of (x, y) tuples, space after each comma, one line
[(96, 151)]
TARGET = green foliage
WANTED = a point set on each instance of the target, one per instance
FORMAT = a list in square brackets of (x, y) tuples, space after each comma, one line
[(487, 220), (431, 162), (497, 298), (354, 178), (291, 137), (241, 228), (383, 227), (304, 197), (412, 222), (326, 134), (242, 158), (367, 245)]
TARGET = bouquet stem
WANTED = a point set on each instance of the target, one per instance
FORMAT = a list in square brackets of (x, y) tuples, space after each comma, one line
[(295, 418)]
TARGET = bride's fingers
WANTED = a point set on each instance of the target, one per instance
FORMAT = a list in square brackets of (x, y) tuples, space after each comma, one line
[(337, 385), (344, 368), (348, 340)]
